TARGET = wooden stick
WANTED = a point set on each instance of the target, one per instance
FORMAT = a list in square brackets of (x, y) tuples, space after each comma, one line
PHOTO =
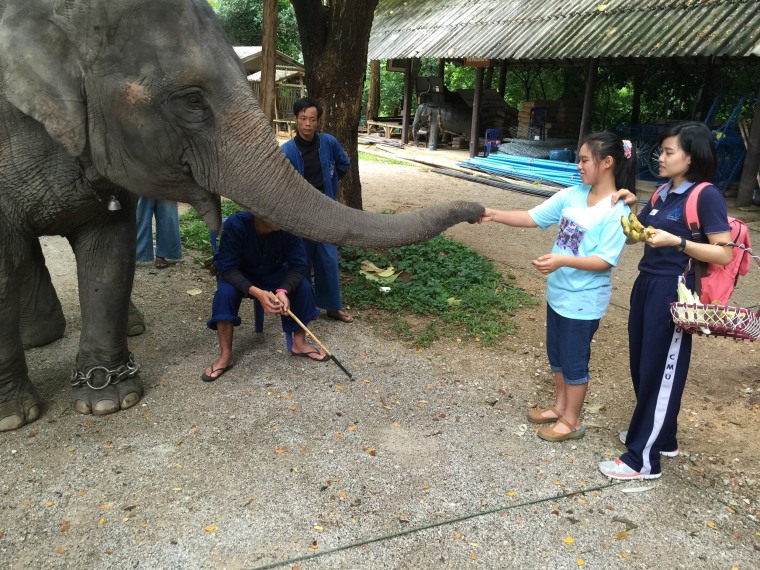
[(322, 346)]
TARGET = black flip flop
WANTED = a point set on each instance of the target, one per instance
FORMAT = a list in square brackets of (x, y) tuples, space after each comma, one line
[(306, 355), (206, 378)]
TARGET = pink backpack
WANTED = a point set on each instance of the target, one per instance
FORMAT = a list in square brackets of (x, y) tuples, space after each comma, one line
[(715, 283)]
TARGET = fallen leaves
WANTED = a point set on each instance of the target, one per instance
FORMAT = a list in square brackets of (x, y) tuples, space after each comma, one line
[(211, 528), (622, 535), (712, 524), (65, 525)]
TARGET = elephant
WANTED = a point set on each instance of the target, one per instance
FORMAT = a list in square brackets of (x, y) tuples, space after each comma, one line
[(102, 101), (452, 114)]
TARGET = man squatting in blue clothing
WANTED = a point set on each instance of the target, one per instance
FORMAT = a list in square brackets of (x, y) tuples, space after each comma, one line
[(257, 260), (321, 160)]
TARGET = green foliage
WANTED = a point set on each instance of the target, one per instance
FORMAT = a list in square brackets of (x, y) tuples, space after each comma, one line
[(669, 89), (462, 292), (241, 20), (194, 231)]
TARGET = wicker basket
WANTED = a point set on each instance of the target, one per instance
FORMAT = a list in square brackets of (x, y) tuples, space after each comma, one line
[(716, 320)]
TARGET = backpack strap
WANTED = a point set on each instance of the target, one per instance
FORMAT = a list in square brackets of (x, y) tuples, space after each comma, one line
[(691, 212), (655, 195)]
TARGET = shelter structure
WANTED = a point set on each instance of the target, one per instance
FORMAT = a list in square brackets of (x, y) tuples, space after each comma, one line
[(586, 33), (289, 80)]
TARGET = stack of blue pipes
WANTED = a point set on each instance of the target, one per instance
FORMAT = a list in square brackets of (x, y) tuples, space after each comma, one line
[(562, 174)]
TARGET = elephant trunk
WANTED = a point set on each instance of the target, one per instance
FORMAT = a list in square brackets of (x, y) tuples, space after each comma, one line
[(259, 177)]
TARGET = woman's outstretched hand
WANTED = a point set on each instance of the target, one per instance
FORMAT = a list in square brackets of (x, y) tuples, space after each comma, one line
[(487, 216)]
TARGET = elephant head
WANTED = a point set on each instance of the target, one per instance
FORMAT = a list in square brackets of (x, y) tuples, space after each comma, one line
[(151, 97)]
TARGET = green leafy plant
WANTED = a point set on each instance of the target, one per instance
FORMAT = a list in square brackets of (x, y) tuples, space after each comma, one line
[(463, 294)]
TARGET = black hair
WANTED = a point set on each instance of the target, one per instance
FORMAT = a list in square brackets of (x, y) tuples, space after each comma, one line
[(606, 144), (696, 140), (305, 103)]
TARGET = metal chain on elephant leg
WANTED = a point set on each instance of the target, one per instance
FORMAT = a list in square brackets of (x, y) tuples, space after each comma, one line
[(113, 376)]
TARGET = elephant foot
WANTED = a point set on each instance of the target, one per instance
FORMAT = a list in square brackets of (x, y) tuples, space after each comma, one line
[(108, 400), (23, 407), (135, 321), (40, 331)]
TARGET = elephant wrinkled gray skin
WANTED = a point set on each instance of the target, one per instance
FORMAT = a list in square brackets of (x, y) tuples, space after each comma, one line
[(104, 98)]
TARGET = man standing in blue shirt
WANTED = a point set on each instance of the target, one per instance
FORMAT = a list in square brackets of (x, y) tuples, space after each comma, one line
[(321, 160), (257, 260)]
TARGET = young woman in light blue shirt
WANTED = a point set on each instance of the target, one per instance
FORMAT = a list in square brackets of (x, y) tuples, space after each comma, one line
[(578, 289)]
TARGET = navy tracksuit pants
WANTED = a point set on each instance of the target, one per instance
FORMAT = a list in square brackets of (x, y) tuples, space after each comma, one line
[(660, 355)]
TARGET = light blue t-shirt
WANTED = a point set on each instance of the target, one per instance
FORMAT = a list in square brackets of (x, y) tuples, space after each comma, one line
[(582, 231)]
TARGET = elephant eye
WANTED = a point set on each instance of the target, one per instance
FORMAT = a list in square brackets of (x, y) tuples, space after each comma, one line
[(189, 106), (194, 100)]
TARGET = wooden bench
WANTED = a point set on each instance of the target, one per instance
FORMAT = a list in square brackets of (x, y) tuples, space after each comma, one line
[(388, 128)]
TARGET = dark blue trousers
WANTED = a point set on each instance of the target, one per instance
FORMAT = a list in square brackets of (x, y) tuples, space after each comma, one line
[(227, 300), (323, 262), (660, 355)]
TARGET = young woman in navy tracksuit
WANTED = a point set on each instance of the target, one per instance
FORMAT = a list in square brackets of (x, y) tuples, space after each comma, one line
[(660, 352)]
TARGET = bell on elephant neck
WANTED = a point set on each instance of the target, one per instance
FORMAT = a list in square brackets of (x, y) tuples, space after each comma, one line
[(113, 204)]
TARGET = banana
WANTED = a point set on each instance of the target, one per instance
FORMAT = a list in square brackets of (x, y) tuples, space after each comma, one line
[(635, 223), (634, 229), (626, 226)]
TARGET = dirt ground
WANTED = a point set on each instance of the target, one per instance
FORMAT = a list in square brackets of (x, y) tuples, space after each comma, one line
[(249, 469), (720, 414)]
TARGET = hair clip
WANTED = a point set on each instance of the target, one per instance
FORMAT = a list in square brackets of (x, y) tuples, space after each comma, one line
[(627, 146)]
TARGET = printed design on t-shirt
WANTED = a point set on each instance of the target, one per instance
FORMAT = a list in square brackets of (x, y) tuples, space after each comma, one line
[(675, 214), (570, 235)]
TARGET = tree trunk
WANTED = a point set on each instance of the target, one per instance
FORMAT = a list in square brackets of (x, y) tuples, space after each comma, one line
[(373, 100), (334, 40), (267, 96), (638, 85)]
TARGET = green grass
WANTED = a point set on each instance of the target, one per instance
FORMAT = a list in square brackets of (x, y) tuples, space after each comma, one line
[(453, 291), (369, 157), (457, 291)]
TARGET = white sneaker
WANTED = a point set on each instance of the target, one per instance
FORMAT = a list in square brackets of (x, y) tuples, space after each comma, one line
[(619, 470), (623, 434)]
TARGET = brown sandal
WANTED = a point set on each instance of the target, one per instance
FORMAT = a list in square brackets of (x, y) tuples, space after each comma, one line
[(534, 416), (549, 434)]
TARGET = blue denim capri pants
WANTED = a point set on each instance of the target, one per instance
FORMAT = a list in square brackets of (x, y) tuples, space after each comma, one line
[(568, 344)]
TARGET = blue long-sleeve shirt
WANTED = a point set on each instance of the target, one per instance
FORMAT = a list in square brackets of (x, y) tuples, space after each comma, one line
[(332, 157), (276, 262)]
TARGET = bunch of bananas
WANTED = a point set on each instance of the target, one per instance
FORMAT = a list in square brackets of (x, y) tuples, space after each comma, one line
[(634, 229)]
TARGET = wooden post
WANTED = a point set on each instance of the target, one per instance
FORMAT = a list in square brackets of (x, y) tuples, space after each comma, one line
[(588, 99), (503, 77), (441, 68), (267, 95), (407, 102), (751, 163), (475, 122)]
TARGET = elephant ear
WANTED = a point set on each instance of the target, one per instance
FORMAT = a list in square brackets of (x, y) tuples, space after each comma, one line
[(41, 72)]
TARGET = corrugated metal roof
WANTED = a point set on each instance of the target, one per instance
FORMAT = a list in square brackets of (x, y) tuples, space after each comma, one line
[(565, 30)]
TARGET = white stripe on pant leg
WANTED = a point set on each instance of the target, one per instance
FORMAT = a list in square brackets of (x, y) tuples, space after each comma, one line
[(663, 397)]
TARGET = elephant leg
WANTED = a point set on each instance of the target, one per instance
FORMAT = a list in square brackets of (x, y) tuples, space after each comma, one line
[(135, 321), (41, 317), (19, 402), (106, 378), (433, 130)]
